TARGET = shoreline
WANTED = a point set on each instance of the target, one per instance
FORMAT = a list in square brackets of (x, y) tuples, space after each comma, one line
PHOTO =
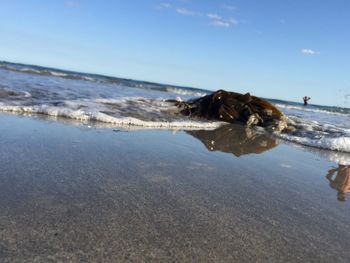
[(76, 193)]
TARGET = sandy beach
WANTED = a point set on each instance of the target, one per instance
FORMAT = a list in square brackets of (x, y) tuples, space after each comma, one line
[(74, 193)]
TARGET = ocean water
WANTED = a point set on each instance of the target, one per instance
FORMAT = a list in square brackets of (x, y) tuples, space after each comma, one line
[(119, 102)]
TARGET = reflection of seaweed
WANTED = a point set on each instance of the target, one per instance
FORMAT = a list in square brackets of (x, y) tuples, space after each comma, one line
[(236, 139), (341, 182)]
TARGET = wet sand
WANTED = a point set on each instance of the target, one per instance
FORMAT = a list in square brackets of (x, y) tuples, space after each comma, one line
[(78, 194)]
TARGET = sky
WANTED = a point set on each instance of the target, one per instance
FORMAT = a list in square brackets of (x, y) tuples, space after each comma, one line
[(281, 49)]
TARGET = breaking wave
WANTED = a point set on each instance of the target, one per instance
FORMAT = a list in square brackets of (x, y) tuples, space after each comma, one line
[(319, 109), (124, 102)]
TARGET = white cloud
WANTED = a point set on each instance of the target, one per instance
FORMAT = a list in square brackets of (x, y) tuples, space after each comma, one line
[(229, 7), (308, 52), (165, 5), (232, 21), (224, 23), (186, 12), (214, 16), (220, 23), (215, 19)]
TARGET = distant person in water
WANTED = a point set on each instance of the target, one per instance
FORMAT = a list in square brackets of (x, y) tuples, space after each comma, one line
[(305, 99), (341, 182)]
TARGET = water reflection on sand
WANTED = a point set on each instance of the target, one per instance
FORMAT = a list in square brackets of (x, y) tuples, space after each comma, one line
[(240, 140), (339, 175), (236, 139), (339, 179)]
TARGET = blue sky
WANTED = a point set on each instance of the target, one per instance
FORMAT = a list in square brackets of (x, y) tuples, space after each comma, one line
[(272, 48)]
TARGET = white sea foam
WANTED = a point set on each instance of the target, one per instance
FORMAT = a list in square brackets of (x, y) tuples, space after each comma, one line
[(30, 70), (308, 109), (82, 115), (337, 144), (88, 78), (186, 92), (316, 134), (58, 74), (27, 94), (338, 157), (10, 93)]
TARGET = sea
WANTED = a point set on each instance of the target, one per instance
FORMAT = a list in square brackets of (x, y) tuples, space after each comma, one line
[(116, 102)]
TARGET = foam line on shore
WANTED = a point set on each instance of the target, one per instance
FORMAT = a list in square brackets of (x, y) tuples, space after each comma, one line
[(81, 115)]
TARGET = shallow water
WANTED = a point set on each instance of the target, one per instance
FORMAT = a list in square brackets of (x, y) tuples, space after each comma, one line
[(79, 193), (120, 102)]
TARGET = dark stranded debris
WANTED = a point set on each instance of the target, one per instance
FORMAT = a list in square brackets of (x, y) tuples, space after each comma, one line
[(234, 107)]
